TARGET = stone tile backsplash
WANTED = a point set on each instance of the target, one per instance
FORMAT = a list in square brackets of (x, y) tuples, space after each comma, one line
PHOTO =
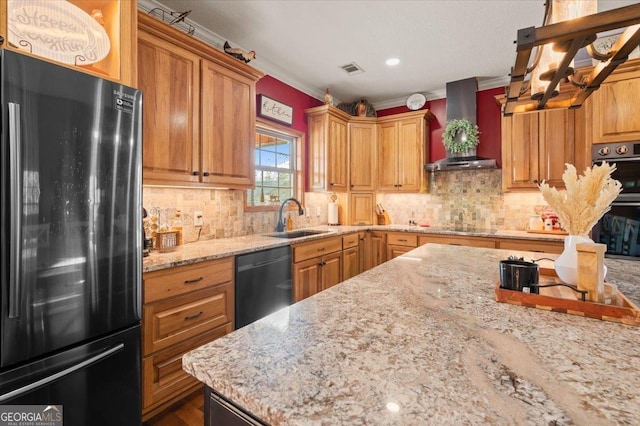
[(464, 201), (223, 212), (459, 200)]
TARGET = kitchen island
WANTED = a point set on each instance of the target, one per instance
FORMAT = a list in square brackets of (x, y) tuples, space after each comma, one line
[(420, 339)]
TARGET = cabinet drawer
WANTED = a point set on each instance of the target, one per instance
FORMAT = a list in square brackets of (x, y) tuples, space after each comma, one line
[(162, 375), (529, 245), (407, 240), (458, 241), (183, 279), (169, 322), (350, 240), (313, 249)]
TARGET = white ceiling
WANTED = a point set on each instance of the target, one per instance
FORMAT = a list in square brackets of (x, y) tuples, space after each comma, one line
[(304, 43)]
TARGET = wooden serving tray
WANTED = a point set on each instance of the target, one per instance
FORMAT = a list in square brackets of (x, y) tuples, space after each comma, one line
[(565, 300)]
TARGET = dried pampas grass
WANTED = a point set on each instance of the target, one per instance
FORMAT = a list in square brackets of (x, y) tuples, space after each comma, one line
[(586, 199)]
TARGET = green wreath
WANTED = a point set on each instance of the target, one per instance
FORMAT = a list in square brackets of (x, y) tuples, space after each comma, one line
[(454, 144)]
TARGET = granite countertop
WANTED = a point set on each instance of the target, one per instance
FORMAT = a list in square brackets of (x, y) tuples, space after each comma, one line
[(420, 339), (217, 248)]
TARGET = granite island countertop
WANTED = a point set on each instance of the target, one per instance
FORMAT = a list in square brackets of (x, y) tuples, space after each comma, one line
[(420, 339), (223, 247)]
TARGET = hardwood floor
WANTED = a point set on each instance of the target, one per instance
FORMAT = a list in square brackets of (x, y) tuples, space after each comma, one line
[(187, 412)]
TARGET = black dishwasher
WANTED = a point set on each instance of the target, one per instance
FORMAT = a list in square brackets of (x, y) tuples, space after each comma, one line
[(263, 284)]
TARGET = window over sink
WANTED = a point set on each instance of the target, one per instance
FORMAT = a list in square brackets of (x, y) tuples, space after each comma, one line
[(279, 160)]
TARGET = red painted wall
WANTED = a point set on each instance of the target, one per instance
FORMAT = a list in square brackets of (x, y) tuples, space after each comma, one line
[(488, 119), (488, 116)]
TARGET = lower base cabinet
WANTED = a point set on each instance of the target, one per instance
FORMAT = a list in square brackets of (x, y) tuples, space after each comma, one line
[(378, 248), (456, 240), (351, 252), (184, 308), (555, 247), (400, 243), (317, 265)]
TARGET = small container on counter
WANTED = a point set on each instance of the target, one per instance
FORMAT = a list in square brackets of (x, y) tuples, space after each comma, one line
[(535, 223)]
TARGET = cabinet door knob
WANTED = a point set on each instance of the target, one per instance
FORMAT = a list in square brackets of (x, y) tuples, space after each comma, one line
[(205, 174), (535, 181), (195, 173)]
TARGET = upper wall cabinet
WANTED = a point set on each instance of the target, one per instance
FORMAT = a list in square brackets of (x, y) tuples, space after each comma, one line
[(403, 141), (109, 52), (328, 154), (362, 153), (170, 83), (199, 114), (536, 146), (616, 110)]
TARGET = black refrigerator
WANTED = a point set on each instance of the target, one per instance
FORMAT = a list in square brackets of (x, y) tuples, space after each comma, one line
[(71, 242)]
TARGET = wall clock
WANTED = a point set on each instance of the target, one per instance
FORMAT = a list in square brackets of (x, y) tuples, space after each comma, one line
[(416, 101)]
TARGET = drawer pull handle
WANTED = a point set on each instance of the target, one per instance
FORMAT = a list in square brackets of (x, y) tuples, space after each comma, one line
[(403, 241), (351, 242), (321, 249), (197, 280), (194, 316)]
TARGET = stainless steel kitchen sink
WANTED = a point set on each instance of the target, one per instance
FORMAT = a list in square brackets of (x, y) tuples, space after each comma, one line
[(297, 234)]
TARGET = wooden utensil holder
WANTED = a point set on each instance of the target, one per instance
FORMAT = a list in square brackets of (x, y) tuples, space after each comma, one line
[(383, 219)]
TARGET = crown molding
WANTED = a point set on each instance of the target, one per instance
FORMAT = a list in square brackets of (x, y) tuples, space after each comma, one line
[(263, 65), (275, 71)]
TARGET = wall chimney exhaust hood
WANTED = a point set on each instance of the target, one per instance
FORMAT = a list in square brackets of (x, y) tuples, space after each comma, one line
[(461, 104)]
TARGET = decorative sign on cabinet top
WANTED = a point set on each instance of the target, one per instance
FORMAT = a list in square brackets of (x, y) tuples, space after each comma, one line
[(58, 30)]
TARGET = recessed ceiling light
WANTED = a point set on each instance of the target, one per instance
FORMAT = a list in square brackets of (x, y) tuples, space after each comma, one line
[(393, 61)]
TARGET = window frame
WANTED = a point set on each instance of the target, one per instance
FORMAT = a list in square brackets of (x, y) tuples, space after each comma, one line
[(299, 141)]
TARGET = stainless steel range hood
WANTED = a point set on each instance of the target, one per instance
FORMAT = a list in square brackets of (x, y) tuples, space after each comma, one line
[(461, 104), (461, 163)]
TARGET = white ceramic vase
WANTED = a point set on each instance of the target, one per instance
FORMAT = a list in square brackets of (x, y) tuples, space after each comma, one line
[(567, 264)]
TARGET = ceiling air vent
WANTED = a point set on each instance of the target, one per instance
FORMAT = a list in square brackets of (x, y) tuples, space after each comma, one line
[(352, 68)]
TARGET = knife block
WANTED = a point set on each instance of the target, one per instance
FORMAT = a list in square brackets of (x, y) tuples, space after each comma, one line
[(383, 219)]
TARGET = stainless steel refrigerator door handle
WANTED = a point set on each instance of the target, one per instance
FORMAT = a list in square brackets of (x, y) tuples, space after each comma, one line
[(65, 372), (15, 247)]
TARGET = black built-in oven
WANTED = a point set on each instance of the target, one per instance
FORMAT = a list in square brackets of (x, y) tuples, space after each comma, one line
[(619, 228)]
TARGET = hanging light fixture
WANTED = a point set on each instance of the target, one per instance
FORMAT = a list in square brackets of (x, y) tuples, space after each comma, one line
[(568, 26), (550, 55)]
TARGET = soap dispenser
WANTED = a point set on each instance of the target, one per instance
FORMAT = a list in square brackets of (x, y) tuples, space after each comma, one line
[(289, 223)]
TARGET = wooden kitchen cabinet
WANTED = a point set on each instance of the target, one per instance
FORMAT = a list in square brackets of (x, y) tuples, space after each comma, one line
[(378, 248), (362, 153), (317, 265), (360, 208), (616, 111), (228, 127), (119, 22), (536, 146), (183, 308), (531, 245), (328, 153), (402, 147), (350, 256), (400, 243), (170, 82), (364, 248), (199, 115), (457, 240)]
